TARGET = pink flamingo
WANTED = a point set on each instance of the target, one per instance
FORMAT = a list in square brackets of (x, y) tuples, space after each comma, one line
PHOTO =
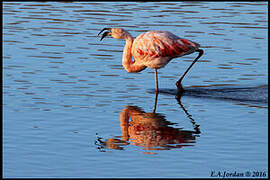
[(154, 49)]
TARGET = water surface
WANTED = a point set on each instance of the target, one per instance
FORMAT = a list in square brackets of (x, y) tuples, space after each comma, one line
[(71, 110)]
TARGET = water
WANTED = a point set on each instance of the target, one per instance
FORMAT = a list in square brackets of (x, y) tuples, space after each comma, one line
[(67, 99)]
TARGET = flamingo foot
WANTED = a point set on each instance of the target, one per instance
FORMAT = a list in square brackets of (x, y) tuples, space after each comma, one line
[(179, 86), (180, 90)]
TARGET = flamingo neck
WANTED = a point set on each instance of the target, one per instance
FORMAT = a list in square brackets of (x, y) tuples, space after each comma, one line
[(129, 65)]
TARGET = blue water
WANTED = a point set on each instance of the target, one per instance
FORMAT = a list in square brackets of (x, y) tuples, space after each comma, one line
[(66, 94)]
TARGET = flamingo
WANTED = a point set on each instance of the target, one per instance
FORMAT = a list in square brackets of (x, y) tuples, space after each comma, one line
[(153, 49)]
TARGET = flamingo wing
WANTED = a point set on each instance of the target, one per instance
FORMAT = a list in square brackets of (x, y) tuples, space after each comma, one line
[(158, 44)]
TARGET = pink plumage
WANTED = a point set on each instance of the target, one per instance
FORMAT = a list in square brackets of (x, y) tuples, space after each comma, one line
[(157, 48)]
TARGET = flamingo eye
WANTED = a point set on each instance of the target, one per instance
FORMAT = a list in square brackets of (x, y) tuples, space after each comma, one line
[(119, 30)]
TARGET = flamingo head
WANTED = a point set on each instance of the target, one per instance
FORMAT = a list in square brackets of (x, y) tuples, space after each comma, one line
[(117, 33)]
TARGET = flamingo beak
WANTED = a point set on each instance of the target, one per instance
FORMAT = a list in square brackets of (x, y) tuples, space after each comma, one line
[(107, 33)]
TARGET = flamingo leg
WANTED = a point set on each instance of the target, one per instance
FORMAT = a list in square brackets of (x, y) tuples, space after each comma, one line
[(178, 83), (155, 105), (156, 78)]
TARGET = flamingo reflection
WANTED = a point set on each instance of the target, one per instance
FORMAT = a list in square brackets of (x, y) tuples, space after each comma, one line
[(150, 130)]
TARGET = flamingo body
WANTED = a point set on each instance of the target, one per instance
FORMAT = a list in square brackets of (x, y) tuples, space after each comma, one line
[(155, 49)]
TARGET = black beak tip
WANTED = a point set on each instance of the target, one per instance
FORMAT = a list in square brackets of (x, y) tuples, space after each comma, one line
[(104, 35), (109, 29)]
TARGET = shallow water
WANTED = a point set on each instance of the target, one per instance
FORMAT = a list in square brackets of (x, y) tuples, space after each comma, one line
[(71, 110)]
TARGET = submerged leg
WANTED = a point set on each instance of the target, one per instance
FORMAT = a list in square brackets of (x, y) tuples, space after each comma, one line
[(155, 105), (178, 83), (156, 78)]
